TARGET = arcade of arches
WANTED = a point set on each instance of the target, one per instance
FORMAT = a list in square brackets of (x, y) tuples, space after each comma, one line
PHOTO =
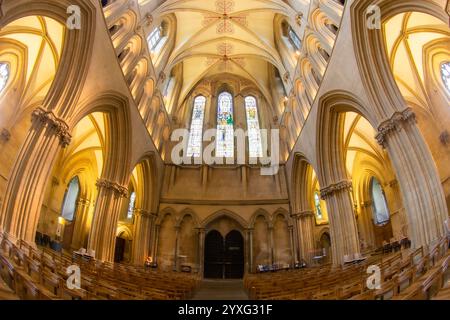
[(87, 117)]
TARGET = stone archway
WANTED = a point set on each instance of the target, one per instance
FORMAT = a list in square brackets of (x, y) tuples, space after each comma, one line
[(224, 256), (224, 248)]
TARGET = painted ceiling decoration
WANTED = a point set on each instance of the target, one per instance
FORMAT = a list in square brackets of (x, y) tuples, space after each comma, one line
[(232, 36)]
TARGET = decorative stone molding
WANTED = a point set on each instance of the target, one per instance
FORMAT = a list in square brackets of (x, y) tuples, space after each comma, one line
[(149, 19), (444, 138), (83, 202), (144, 213), (60, 127), (298, 18), (366, 204), (5, 135), (334, 188), (121, 191), (394, 123), (393, 183), (304, 214)]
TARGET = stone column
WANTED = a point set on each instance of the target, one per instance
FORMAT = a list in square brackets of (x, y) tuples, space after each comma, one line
[(200, 250), (305, 223), (106, 215), (343, 229), (271, 244), (175, 254), (291, 241), (143, 223), (26, 187), (295, 239), (79, 232), (421, 189), (156, 243), (367, 224), (250, 250)]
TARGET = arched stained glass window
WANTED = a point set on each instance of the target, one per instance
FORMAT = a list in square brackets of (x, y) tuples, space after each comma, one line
[(254, 134), (295, 40), (445, 73), (4, 75), (379, 204), (70, 199), (131, 205), (317, 205), (154, 38), (225, 126), (196, 133)]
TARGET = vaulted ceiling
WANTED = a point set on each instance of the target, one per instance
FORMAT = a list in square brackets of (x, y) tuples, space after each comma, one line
[(224, 36)]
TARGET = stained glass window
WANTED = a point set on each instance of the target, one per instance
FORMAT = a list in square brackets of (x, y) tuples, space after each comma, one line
[(131, 205), (254, 134), (196, 133), (225, 126), (295, 40), (154, 38), (70, 199), (317, 204), (379, 205), (445, 73), (4, 75)]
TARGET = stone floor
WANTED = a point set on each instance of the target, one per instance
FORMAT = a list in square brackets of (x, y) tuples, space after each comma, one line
[(221, 290)]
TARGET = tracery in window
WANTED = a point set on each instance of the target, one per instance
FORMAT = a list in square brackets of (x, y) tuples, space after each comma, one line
[(4, 75), (445, 74), (225, 126), (317, 205), (295, 40), (379, 205), (154, 38), (196, 132), (70, 199), (254, 134), (131, 205)]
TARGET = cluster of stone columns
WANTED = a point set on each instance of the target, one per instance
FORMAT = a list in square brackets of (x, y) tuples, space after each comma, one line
[(22, 204), (143, 226), (417, 175), (343, 228), (305, 228), (107, 210)]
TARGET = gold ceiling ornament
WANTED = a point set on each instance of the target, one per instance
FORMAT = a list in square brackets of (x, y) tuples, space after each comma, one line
[(224, 18)]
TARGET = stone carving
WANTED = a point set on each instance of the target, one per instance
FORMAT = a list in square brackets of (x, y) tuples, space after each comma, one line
[(149, 19), (5, 135), (60, 128), (394, 123), (121, 191), (304, 214), (333, 188)]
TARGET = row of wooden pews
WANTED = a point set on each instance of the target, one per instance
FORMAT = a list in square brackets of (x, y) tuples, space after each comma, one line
[(406, 274), (39, 274)]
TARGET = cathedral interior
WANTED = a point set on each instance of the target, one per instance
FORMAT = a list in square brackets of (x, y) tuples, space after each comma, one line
[(180, 149)]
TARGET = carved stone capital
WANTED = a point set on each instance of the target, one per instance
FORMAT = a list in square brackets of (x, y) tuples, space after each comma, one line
[(144, 213), (303, 214), (334, 188), (394, 124), (121, 191), (59, 126)]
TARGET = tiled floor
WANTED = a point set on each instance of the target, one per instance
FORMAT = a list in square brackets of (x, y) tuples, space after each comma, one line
[(221, 290)]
